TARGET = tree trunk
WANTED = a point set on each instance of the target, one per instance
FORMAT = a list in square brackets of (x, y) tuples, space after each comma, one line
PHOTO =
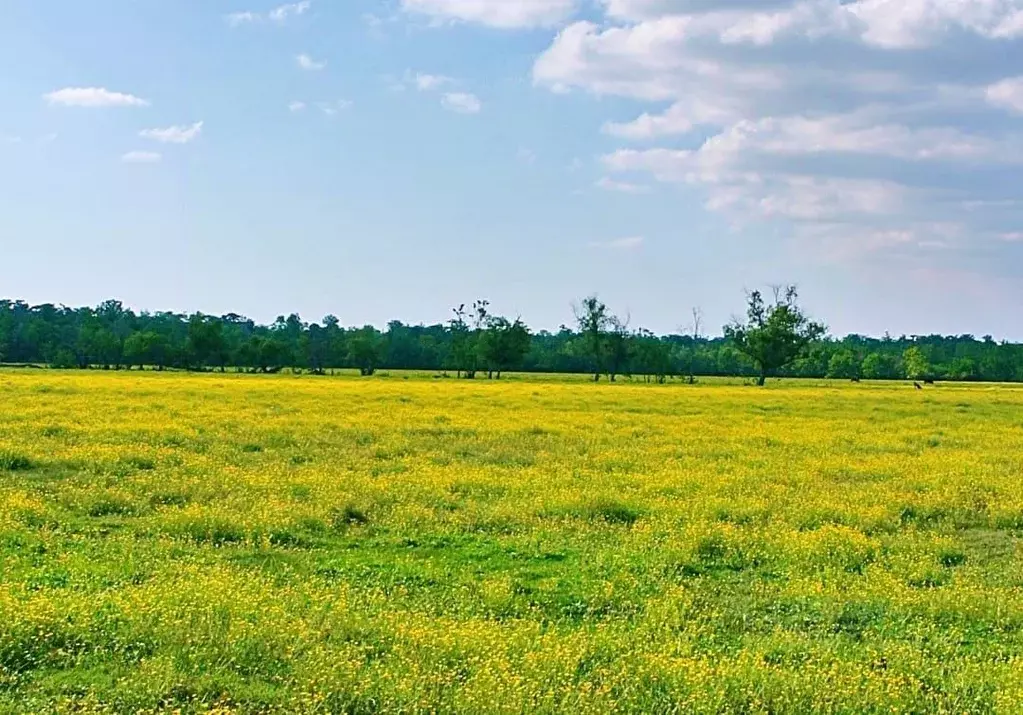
[(762, 380), (596, 377)]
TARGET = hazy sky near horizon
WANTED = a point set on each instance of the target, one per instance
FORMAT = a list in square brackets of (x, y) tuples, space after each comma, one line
[(388, 159)]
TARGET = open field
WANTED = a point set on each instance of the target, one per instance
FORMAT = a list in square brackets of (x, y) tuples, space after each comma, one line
[(227, 543)]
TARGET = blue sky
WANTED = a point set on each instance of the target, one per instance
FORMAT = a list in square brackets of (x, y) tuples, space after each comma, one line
[(382, 159)]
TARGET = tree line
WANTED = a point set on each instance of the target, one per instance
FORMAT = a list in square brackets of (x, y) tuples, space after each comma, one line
[(775, 338)]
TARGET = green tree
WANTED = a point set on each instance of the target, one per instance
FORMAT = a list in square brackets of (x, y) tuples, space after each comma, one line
[(652, 357), (593, 320), (915, 364), (844, 365), (776, 334), (617, 348), (880, 366), (503, 345), (963, 368), (465, 330), (365, 349), (206, 344)]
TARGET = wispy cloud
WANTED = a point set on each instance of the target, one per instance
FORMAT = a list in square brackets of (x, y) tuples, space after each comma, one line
[(629, 243), (278, 15), (332, 109), (309, 64), (462, 103), (297, 106), (235, 19), (282, 13), (624, 187), (504, 14), (141, 157), (173, 135), (1007, 94), (93, 97)]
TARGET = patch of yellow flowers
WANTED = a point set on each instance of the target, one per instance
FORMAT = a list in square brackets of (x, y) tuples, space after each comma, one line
[(228, 544)]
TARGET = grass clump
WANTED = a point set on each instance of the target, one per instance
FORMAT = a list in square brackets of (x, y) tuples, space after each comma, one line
[(12, 461)]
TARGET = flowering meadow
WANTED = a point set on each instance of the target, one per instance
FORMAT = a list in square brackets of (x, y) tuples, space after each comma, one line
[(221, 543)]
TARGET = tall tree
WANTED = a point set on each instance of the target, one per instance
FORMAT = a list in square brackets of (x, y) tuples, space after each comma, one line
[(593, 319), (774, 335), (697, 328), (617, 347)]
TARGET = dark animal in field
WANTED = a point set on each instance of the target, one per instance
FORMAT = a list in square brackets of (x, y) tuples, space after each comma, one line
[(917, 386), (929, 381), (855, 379)]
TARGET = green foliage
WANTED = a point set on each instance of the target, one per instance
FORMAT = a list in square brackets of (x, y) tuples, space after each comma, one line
[(503, 345), (774, 335), (844, 365), (365, 349), (112, 336), (15, 461), (881, 366), (915, 364), (206, 344)]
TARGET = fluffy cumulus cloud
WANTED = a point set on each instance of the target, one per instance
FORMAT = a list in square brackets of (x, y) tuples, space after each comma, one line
[(505, 14), (877, 122)]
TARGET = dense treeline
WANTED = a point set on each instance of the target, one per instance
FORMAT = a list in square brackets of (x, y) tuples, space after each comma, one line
[(475, 342)]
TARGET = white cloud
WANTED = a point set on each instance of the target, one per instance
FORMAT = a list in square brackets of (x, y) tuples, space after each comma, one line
[(93, 97), (462, 102), (1007, 94), (9, 139), (429, 82), (279, 14), (902, 24), (624, 187), (297, 106), (332, 109), (282, 13), (141, 157), (505, 14), (236, 19), (173, 135), (868, 119), (309, 64), (681, 118)]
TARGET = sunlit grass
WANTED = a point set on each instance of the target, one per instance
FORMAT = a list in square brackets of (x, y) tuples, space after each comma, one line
[(229, 543)]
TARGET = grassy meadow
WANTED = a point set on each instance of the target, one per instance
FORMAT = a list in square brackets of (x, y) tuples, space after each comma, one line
[(243, 544)]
